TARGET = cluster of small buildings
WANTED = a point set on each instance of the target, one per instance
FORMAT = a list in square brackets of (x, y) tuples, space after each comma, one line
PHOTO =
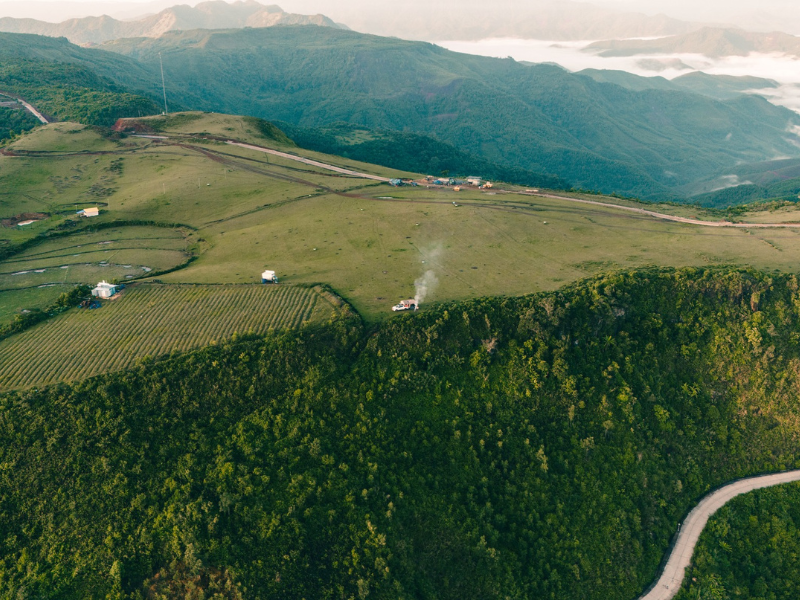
[(472, 181), (402, 182)]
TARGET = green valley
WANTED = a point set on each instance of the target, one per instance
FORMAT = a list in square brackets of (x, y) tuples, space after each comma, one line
[(599, 307)]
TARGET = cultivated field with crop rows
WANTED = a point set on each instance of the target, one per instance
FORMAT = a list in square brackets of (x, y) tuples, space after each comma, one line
[(150, 320)]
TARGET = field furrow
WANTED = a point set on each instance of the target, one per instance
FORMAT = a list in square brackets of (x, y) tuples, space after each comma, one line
[(149, 320)]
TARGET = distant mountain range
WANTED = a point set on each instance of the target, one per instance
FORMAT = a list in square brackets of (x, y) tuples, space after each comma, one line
[(216, 14), (719, 87), (609, 132), (558, 20), (713, 42)]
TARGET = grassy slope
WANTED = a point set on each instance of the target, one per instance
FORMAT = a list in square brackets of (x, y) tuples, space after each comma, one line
[(543, 447), (540, 118), (370, 250)]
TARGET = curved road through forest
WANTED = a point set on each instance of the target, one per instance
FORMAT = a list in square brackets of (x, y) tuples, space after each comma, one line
[(669, 584), (29, 107)]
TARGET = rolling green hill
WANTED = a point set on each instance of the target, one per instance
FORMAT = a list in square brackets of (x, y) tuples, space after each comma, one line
[(538, 447), (719, 87), (246, 211), (539, 118)]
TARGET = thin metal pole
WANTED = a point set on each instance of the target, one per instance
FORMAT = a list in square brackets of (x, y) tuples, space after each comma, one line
[(163, 84)]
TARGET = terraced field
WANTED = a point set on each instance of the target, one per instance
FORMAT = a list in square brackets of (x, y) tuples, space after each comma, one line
[(150, 320)]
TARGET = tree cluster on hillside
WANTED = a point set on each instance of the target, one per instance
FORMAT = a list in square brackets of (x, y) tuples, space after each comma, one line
[(70, 92), (14, 121), (786, 191), (750, 549), (536, 447), (411, 152)]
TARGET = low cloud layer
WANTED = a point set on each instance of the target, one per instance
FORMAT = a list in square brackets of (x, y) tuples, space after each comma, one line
[(571, 56)]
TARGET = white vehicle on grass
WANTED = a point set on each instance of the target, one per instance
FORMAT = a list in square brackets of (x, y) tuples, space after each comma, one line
[(405, 305)]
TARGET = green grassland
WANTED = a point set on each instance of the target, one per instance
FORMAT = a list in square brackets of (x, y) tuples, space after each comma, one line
[(251, 211), (114, 254), (14, 301), (151, 320)]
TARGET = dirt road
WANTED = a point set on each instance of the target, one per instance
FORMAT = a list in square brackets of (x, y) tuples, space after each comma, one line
[(30, 108), (669, 584), (641, 211), (666, 217), (308, 161)]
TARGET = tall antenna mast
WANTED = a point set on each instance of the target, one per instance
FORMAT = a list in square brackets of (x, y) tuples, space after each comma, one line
[(163, 84)]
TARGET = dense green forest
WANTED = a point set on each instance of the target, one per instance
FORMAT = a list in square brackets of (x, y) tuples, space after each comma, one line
[(536, 447), (70, 92), (748, 193), (750, 549), (15, 121), (410, 152)]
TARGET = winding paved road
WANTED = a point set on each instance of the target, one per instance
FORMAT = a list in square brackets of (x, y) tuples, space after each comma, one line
[(669, 584)]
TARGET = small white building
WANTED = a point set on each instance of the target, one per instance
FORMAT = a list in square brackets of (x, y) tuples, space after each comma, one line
[(89, 212), (269, 277), (105, 290), (476, 181)]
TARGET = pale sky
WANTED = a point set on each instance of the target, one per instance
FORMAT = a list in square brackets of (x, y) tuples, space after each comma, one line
[(778, 13)]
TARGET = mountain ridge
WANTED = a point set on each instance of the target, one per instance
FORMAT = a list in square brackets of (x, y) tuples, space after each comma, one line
[(213, 14), (713, 42)]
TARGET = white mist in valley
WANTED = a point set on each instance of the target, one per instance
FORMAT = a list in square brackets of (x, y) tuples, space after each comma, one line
[(571, 56)]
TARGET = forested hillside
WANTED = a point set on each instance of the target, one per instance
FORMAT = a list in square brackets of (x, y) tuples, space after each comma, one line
[(69, 92), (15, 120), (750, 549), (536, 447), (540, 118), (410, 152), (49, 74)]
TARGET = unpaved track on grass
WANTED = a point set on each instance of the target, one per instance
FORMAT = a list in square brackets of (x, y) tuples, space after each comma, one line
[(669, 584), (641, 211), (676, 219), (308, 161)]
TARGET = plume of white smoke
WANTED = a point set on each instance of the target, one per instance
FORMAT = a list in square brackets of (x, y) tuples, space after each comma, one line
[(425, 285)]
